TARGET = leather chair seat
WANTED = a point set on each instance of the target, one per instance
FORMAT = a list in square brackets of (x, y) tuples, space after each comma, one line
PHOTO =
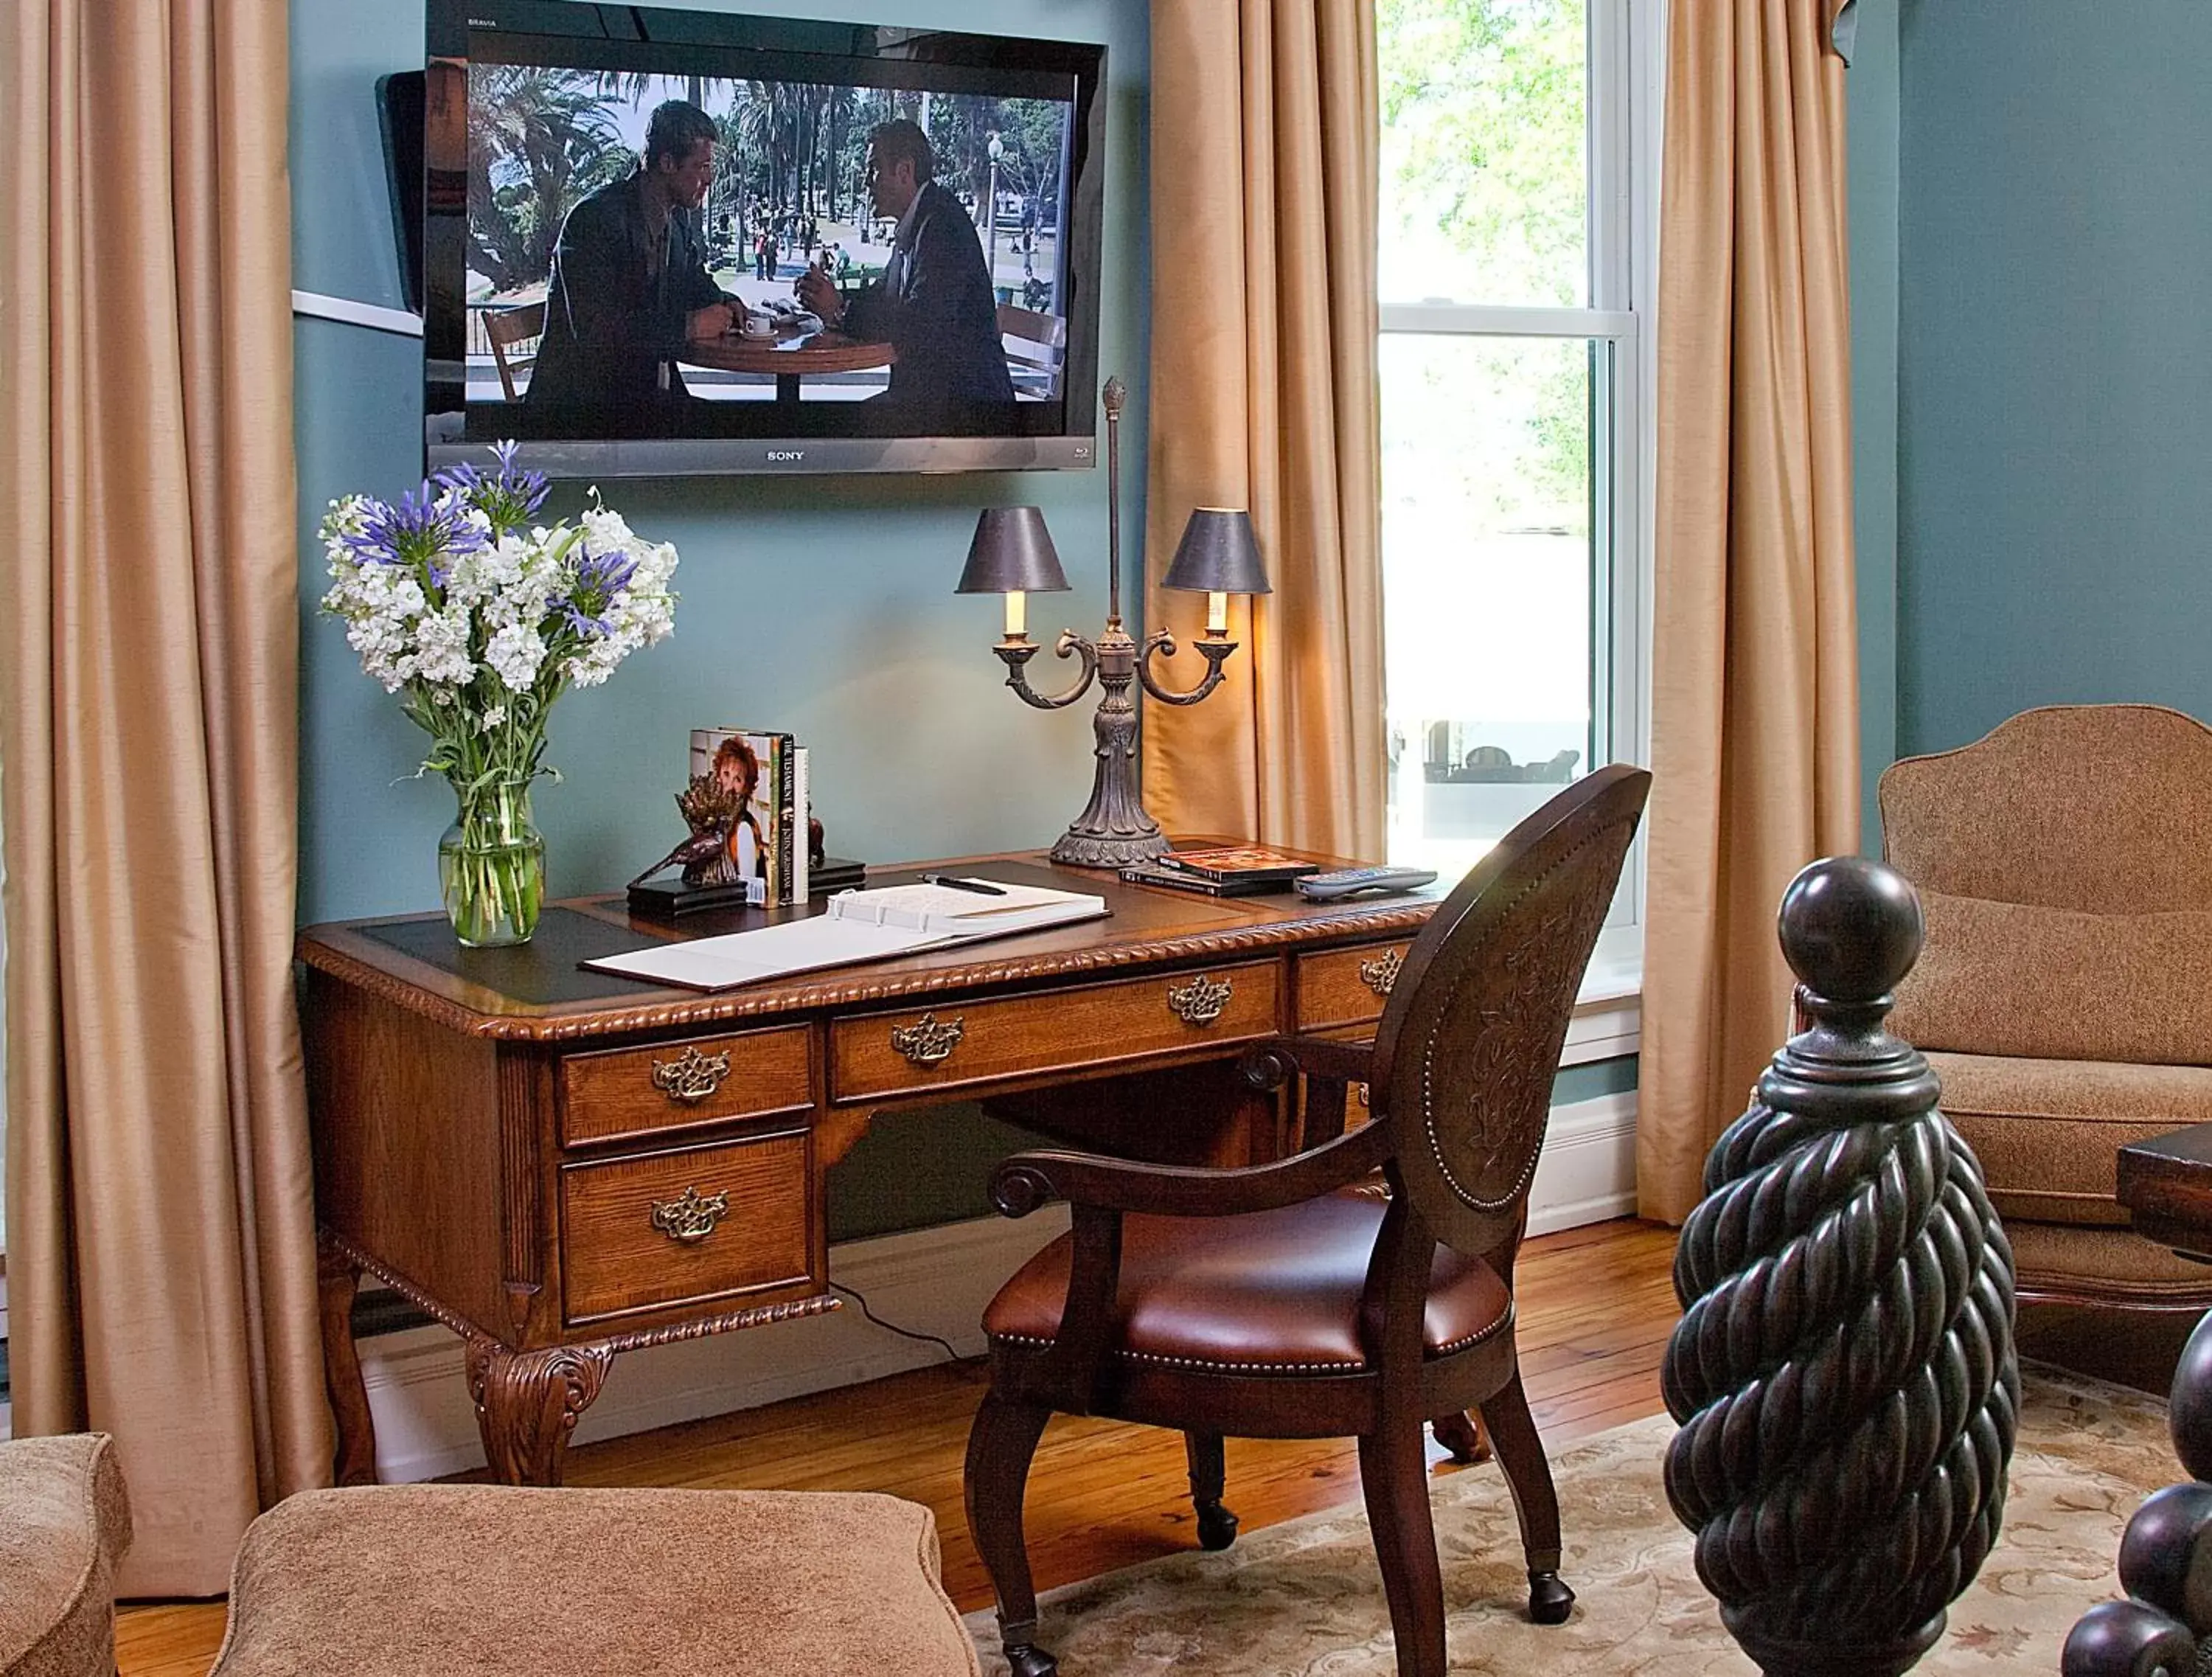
[(1264, 1293)]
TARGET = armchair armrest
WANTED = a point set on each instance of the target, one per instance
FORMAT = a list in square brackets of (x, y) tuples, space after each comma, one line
[(1331, 1067), (1027, 1181), (1266, 1064)]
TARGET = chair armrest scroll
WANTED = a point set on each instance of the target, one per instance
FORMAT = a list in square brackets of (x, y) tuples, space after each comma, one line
[(1267, 1063), (1026, 1180)]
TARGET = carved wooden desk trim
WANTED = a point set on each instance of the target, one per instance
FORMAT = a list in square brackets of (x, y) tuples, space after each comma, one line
[(494, 1159)]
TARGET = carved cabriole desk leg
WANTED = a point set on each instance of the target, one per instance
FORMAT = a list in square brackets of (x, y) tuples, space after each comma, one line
[(338, 1278), (528, 1402)]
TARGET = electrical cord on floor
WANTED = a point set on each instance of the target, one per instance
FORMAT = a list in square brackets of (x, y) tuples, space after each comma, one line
[(951, 1354)]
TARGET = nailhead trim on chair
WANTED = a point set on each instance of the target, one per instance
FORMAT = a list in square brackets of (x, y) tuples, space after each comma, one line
[(1205, 1366)]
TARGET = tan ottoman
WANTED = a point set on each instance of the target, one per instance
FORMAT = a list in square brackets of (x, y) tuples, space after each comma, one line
[(466, 1581), (64, 1528)]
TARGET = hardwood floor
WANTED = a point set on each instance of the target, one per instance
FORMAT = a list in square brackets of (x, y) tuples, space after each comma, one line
[(1595, 1307)]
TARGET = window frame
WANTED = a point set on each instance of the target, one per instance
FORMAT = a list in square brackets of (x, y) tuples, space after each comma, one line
[(1625, 94)]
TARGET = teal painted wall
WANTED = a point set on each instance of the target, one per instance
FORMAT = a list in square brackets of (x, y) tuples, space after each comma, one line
[(2054, 433), (1873, 116), (822, 606)]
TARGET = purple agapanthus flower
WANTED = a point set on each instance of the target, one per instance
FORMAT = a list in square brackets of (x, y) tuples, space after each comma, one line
[(510, 498), (599, 578), (416, 532)]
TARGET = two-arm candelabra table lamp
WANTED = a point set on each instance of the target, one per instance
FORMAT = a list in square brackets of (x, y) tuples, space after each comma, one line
[(1012, 554)]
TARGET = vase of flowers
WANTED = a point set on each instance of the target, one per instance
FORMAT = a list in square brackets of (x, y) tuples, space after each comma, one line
[(479, 618)]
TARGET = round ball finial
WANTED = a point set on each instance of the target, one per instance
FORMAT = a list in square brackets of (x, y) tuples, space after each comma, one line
[(1851, 928)]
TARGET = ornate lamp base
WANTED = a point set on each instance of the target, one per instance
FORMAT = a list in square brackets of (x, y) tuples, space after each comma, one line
[(1098, 843), (1114, 830)]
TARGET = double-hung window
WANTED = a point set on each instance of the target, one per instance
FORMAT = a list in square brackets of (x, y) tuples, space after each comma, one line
[(1519, 149)]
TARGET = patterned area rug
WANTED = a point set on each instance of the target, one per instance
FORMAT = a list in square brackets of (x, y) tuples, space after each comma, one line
[(1304, 1600)]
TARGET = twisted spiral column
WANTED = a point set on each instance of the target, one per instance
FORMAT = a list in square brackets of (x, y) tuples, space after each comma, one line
[(1843, 1372)]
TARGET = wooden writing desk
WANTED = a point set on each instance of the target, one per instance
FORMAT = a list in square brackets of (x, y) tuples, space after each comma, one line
[(561, 1164)]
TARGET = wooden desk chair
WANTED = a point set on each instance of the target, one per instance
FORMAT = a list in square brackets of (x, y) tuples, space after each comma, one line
[(1034, 344), (508, 328), (1311, 1298)]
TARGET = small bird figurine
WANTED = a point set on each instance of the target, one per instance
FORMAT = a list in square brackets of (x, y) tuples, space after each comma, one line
[(707, 809)]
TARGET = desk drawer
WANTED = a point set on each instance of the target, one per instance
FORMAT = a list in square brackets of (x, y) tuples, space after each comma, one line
[(1064, 1030), (1348, 986), (623, 1092), (688, 1226)]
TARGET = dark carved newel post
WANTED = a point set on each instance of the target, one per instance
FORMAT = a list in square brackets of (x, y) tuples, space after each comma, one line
[(1844, 1373)]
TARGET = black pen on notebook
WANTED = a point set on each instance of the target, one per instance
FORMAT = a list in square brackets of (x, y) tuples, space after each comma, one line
[(978, 886)]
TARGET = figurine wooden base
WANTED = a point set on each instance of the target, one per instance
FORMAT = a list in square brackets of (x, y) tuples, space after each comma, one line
[(672, 899)]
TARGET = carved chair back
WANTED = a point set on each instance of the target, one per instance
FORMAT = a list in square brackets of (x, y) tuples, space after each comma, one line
[(1470, 1038)]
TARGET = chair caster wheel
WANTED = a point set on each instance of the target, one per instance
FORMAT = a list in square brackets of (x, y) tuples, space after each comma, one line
[(1549, 1600), (1031, 1661), (1217, 1527)]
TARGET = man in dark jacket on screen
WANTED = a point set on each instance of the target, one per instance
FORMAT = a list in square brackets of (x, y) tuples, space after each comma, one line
[(934, 304), (629, 287)]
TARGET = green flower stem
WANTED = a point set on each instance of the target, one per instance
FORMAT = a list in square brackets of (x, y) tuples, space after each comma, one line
[(492, 864)]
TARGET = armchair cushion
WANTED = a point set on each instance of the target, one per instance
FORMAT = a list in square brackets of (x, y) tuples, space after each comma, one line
[(64, 1528), (2049, 1131), (1262, 1292), (2023, 981)]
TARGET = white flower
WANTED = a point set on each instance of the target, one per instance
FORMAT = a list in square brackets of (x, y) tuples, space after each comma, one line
[(515, 652), (458, 635)]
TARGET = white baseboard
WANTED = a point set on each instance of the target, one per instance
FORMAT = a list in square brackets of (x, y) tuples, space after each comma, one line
[(1588, 1171), (931, 1281)]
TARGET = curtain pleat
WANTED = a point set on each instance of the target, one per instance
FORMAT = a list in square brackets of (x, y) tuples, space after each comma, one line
[(1754, 638), (1264, 159), (160, 1229)]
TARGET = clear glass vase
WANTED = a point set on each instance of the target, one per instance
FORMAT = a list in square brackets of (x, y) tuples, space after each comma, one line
[(491, 866)]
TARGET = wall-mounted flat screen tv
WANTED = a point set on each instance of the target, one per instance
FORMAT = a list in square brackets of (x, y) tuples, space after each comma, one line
[(657, 241)]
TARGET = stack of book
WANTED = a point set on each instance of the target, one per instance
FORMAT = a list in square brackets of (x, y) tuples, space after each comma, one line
[(1240, 870), (766, 774)]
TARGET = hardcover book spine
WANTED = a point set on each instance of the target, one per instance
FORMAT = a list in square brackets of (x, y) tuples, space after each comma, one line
[(786, 800), (800, 861)]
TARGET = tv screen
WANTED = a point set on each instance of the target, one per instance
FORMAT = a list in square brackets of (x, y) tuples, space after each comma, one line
[(659, 242)]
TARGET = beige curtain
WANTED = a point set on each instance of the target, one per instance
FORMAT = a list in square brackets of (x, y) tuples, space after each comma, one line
[(161, 1274), (1264, 159), (1754, 659)]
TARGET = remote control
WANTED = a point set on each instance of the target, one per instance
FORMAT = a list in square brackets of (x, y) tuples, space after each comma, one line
[(1350, 881)]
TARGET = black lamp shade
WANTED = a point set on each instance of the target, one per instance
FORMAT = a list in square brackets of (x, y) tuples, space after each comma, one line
[(1218, 554), (1012, 551)]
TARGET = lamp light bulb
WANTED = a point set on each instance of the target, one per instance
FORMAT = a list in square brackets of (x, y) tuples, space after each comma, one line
[(1017, 615), (1216, 613)]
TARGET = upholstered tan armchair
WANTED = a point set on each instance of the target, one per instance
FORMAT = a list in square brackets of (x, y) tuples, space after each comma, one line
[(2065, 862)]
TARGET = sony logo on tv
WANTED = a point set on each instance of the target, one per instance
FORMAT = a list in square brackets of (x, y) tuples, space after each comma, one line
[(786, 456)]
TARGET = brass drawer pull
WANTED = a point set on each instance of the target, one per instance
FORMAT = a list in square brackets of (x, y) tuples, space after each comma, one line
[(692, 1218), (929, 1041), (691, 1076), (1201, 1001), (1382, 973)]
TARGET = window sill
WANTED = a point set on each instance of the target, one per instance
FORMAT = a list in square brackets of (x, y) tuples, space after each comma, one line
[(1608, 1019)]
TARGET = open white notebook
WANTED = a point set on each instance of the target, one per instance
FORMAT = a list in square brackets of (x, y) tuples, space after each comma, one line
[(859, 926)]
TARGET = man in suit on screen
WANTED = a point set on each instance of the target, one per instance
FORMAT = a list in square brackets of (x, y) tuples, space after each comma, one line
[(629, 287), (934, 304)]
